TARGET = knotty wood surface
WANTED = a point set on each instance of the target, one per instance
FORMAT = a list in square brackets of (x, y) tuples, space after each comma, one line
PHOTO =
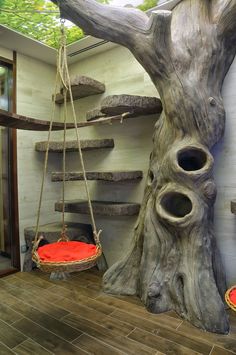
[(39, 316), (12, 120)]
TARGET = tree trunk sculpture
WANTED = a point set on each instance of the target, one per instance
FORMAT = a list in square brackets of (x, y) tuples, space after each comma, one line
[(174, 263)]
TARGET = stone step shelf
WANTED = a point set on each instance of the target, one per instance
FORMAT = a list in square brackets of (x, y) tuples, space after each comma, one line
[(102, 208), (136, 105), (82, 86), (72, 146), (94, 114), (111, 176), (233, 206)]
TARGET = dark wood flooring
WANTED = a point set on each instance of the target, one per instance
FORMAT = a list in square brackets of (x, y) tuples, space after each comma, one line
[(5, 263), (39, 316)]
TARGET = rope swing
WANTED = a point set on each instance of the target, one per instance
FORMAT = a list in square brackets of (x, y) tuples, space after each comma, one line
[(230, 298), (65, 255)]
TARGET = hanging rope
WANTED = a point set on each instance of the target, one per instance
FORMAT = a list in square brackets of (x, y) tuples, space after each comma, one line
[(68, 81), (63, 234), (37, 239), (63, 75), (65, 90)]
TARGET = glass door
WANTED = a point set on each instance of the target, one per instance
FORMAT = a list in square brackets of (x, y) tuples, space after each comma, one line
[(6, 230)]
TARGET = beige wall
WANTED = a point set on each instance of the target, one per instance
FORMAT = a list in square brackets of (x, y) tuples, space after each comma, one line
[(225, 176), (35, 81), (6, 53)]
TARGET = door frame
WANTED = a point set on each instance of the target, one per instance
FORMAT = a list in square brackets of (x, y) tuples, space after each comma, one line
[(14, 212)]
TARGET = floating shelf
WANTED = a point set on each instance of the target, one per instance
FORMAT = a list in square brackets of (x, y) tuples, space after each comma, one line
[(233, 206), (82, 86), (137, 105), (94, 114), (120, 104), (72, 146), (12, 120), (52, 232), (102, 208), (112, 176)]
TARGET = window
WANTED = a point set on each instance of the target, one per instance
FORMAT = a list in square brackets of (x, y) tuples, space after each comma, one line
[(6, 84)]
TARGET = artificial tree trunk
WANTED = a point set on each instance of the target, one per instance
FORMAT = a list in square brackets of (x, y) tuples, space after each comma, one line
[(174, 263)]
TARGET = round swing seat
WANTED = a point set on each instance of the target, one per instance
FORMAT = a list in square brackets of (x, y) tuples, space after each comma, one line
[(230, 297), (66, 256)]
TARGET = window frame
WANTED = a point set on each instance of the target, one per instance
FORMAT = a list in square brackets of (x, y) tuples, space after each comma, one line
[(13, 184)]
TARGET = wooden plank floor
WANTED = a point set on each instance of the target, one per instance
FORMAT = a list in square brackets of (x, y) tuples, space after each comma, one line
[(39, 316)]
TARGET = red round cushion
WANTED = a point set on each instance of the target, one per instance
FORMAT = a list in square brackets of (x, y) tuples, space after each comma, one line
[(232, 296), (66, 251)]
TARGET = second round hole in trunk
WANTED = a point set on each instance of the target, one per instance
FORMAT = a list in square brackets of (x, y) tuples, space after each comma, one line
[(176, 204)]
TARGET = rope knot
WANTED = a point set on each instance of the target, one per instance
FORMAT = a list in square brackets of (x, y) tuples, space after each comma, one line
[(124, 115), (64, 237), (96, 236), (36, 242)]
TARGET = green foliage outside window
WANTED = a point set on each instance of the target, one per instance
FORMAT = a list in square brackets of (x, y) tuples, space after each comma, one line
[(44, 27), (25, 16), (147, 4)]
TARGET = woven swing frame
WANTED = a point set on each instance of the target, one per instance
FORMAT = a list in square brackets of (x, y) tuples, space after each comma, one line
[(227, 298), (67, 266), (63, 77)]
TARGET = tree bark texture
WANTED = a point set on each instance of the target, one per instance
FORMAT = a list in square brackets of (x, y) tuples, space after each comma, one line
[(174, 263)]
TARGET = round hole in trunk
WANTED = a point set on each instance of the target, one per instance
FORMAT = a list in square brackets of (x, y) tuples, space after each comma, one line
[(176, 204), (192, 159)]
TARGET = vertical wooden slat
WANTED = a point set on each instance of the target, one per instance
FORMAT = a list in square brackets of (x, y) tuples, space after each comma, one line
[(14, 180)]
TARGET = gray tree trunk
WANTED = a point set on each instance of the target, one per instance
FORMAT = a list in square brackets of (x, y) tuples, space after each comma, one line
[(174, 263)]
